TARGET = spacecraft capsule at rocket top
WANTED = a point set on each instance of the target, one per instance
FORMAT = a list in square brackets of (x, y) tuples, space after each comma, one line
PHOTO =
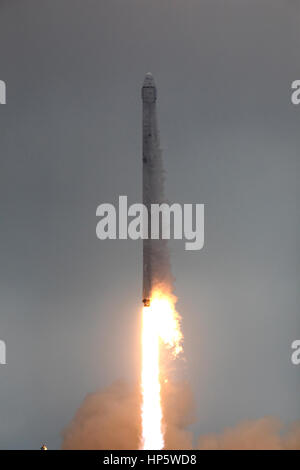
[(149, 89)]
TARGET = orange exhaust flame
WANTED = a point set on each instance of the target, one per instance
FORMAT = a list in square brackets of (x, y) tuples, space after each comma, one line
[(160, 328)]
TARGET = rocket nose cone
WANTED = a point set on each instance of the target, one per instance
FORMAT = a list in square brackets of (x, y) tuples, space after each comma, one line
[(149, 80)]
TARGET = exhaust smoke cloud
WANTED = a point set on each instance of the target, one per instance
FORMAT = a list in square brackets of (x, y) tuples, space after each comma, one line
[(111, 419)]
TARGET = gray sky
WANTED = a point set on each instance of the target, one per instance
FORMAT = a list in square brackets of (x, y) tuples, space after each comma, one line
[(71, 139)]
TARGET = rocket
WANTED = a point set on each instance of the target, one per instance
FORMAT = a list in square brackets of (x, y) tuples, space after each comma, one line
[(150, 143), (155, 262)]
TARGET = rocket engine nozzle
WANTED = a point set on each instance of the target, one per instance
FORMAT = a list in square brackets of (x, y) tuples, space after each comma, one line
[(146, 302)]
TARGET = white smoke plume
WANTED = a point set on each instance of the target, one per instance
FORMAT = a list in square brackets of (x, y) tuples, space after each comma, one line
[(110, 419), (267, 433)]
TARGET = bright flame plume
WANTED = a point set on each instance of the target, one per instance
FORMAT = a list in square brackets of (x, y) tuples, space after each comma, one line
[(161, 328)]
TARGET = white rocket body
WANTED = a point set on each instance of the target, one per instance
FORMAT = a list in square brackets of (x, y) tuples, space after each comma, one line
[(155, 255)]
